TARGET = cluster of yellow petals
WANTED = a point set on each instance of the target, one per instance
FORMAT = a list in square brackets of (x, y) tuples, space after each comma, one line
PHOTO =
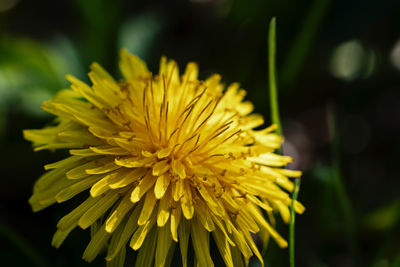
[(164, 157)]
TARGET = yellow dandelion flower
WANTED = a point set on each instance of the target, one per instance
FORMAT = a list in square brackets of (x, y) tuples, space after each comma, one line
[(162, 158)]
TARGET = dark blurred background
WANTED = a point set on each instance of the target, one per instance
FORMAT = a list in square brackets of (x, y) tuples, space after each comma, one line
[(339, 95)]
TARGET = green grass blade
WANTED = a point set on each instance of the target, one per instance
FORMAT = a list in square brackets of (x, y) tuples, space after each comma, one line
[(292, 222), (275, 118), (273, 88)]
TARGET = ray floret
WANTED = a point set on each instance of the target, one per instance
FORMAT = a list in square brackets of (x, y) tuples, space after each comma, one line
[(163, 159)]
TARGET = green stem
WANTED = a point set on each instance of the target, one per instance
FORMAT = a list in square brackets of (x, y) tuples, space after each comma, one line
[(275, 118), (273, 88), (292, 222)]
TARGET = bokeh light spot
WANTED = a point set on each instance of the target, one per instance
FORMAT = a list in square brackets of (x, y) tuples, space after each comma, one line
[(395, 55), (350, 61)]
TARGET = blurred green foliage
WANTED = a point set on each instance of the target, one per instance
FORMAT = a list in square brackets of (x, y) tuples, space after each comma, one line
[(31, 72)]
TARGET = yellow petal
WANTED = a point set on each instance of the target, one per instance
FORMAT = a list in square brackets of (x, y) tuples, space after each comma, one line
[(48, 179), (108, 167), (271, 159), (103, 133), (165, 152), (187, 202), (253, 246), (191, 71), (237, 258), (258, 202), (164, 242), (96, 244), (241, 243), (147, 154), (109, 150), (118, 260), (213, 81), (115, 238), (63, 163), (44, 198), (42, 136), (289, 173), (80, 171), (160, 167), (223, 247), (283, 210), (101, 186), (246, 219), (60, 236), (161, 185), (131, 66), (80, 136), (210, 200), (164, 209), (87, 92), (129, 162), (258, 217), (177, 190), (130, 226), (267, 191), (118, 214), (141, 233), (175, 218), (72, 218), (145, 257), (126, 177), (201, 244), (184, 233), (144, 185), (298, 207), (219, 223), (178, 168), (252, 121), (85, 152), (101, 74), (148, 206), (204, 217), (76, 188), (98, 209)]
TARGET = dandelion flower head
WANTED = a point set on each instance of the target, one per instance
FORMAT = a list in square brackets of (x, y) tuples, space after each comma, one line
[(163, 160)]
